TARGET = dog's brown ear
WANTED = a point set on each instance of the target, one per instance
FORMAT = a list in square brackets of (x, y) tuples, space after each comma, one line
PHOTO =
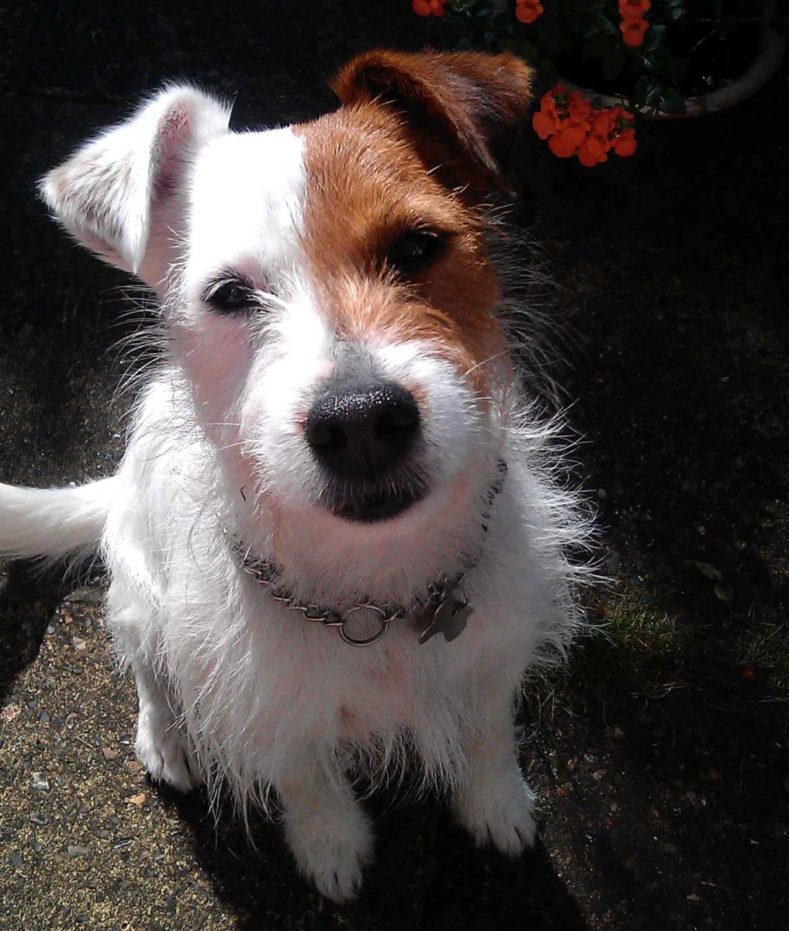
[(121, 193), (472, 99)]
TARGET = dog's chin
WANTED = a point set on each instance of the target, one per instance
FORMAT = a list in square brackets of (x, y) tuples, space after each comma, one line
[(360, 506)]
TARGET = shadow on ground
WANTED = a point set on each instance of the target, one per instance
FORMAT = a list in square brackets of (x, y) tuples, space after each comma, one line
[(672, 726), (28, 600), (427, 873)]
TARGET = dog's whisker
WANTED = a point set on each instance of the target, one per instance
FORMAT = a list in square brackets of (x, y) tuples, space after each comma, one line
[(498, 355)]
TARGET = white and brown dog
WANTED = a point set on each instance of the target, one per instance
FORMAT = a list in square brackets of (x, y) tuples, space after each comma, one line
[(336, 540)]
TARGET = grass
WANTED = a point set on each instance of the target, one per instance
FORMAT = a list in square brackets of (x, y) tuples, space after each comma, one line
[(639, 647)]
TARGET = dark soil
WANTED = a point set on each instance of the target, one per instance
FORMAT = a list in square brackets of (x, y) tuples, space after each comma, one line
[(660, 756)]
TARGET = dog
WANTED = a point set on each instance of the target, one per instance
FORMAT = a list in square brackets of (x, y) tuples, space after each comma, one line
[(337, 538)]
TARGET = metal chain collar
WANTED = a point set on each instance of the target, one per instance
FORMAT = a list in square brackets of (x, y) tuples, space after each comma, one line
[(445, 606)]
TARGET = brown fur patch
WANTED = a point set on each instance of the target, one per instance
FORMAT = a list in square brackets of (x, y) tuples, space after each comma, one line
[(366, 184), (460, 105)]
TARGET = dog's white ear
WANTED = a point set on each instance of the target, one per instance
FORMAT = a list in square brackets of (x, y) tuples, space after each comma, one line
[(121, 194)]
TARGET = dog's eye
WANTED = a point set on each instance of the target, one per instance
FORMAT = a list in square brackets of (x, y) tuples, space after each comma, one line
[(231, 296), (414, 250)]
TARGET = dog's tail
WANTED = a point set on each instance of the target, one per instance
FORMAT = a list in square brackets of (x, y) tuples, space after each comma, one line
[(53, 522)]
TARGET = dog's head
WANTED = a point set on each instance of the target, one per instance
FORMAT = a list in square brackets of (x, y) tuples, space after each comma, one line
[(328, 294)]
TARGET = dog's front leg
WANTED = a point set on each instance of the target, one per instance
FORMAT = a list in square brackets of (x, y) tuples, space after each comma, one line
[(493, 801), (162, 745), (326, 828)]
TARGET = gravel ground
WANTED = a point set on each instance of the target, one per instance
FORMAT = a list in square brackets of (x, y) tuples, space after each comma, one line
[(660, 757)]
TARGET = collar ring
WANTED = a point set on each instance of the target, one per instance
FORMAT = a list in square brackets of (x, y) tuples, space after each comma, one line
[(384, 621)]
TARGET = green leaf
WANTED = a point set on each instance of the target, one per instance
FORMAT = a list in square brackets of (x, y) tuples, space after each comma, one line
[(723, 591), (672, 101), (607, 28), (708, 571), (654, 38), (652, 94)]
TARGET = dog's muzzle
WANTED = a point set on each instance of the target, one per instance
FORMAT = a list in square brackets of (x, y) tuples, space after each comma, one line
[(363, 433)]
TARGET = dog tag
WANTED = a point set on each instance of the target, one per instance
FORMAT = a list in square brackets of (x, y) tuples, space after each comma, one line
[(450, 620)]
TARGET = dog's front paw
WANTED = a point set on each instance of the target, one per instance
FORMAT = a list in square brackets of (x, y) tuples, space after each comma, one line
[(332, 844), (164, 750), (498, 810)]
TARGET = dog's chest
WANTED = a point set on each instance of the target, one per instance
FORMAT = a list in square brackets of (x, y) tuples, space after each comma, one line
[(358, 692)]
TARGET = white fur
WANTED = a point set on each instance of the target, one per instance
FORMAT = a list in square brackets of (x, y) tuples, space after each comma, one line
[(121, 194), (51, 522), (234, 689)]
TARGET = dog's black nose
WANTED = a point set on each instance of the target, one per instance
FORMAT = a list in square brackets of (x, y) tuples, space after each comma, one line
[(361, 430)]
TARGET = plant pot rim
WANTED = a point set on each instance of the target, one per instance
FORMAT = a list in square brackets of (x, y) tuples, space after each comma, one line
[(772, 47)]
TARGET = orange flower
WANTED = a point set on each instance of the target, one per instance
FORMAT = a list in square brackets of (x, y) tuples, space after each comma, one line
[(562, 120), (548, 101), (633, 31), (567, 121), (593, 150), (429, 7), (633, 9), (622, 119), (596, 145), (566, 140), (562, 145), (623, 136), (544, 124), (579, 106), (527, 11), (604, 121), (624, 143)]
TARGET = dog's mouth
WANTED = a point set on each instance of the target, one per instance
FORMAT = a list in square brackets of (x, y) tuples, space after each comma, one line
[(368, 504)]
